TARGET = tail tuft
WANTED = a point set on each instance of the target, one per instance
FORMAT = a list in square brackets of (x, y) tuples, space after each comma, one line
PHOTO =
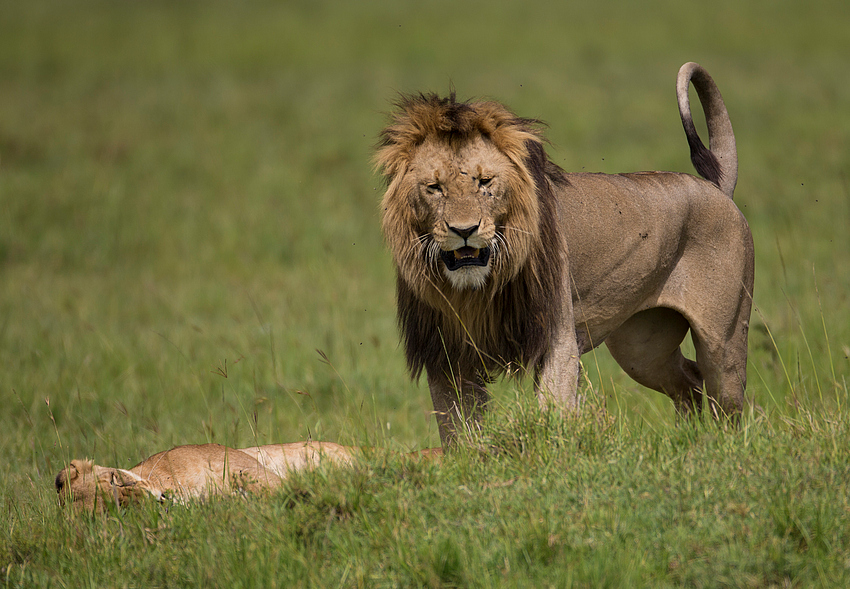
[(719, 163)]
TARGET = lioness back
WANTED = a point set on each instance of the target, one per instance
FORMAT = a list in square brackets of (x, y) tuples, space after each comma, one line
[(285, 458), (203, 469)]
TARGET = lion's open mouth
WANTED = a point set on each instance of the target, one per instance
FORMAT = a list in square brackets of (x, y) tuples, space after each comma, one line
[(465, 256)]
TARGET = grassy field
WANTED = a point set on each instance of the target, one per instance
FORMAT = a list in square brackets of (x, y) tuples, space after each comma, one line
[(188, 212)]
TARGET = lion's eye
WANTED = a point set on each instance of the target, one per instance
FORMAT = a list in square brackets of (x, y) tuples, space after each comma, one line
[(485, 181), (434, 187)]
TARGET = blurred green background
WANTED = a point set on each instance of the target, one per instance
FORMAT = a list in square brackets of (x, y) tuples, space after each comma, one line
[(188, 209)]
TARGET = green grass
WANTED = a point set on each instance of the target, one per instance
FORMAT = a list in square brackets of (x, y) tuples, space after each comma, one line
[(188, 212), (553, 502)]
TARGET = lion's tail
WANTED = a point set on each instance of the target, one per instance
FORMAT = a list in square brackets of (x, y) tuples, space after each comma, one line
[(719, 163)]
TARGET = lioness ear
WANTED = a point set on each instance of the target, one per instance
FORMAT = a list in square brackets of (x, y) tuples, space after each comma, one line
[(82, 466), (127, 488), (71, 472)]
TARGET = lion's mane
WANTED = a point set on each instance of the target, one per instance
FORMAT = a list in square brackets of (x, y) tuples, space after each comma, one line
[(511, 319)]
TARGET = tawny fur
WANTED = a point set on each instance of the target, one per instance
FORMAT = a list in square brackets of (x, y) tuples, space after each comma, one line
[(506, 263), (198, 471)]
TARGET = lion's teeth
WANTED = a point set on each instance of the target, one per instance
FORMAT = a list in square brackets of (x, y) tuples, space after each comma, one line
[(466, 252)]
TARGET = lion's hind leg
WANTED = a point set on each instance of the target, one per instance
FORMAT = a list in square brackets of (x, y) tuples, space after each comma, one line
[(723, 359), (719, 325), (647, 347)]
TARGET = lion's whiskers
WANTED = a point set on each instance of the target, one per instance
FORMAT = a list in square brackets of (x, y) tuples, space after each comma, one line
[(418, 247), (517, 229), (433, 256), (428, 250), (501, 248)]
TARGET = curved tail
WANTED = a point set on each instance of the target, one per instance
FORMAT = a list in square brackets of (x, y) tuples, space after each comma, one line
[(719, 163)]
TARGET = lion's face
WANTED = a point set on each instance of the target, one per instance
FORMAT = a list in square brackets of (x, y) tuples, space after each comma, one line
[(91, 487), (460, 201), (468, 211)]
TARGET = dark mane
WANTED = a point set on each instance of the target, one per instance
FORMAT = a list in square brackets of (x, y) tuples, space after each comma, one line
[(521, 316)]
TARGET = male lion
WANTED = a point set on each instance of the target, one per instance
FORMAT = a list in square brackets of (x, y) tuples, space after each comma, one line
[(197, 471), (503, 259)]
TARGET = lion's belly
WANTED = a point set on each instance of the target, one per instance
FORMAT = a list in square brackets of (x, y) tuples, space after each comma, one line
[(595, 319), (605, 296)]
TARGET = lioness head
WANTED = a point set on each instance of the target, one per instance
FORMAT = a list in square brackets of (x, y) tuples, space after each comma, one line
[(92, 487), (460, 209)]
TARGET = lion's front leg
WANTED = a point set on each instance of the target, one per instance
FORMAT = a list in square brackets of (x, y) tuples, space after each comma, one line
[(556, 381), (458, 404)]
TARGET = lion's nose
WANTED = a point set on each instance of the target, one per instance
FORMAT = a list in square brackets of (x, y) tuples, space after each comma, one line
[(464, 232)]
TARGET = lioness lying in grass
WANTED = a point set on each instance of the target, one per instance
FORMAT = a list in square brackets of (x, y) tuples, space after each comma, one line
[(197, 471)]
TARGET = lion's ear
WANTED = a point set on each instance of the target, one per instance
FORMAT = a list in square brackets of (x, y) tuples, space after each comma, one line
[(83, 466), (71, 472), (127, 488), (123, 477)]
